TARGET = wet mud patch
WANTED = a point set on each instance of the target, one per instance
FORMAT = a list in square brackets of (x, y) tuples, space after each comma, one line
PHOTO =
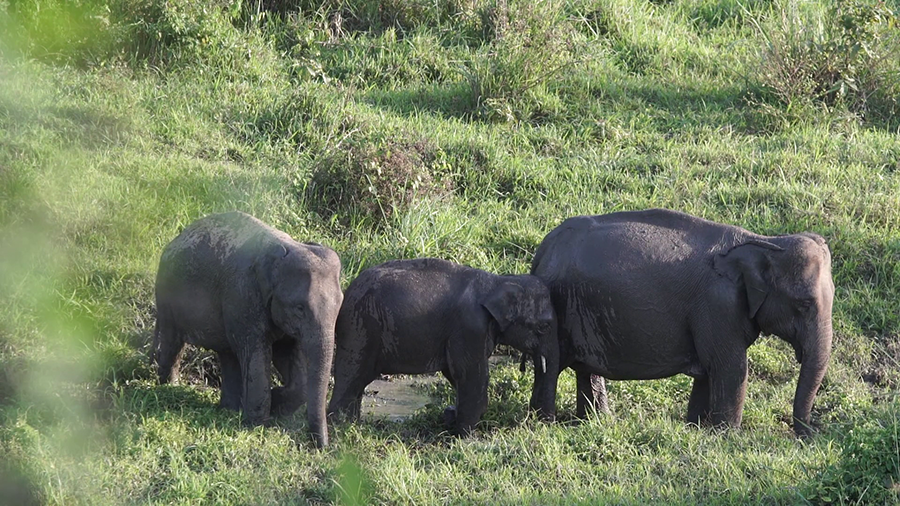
[(398, 397)]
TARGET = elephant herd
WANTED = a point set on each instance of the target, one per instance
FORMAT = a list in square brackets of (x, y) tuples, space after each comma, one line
[(628, 295)]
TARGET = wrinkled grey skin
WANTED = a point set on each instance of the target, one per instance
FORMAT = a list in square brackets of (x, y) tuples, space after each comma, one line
[(651, 294), (429, 315), (234, 285)]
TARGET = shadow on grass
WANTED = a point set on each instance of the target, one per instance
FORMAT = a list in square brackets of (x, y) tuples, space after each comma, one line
[(90, 128), (197, 406), (674, 107), (445, 101), (16, 487), (670, 106)]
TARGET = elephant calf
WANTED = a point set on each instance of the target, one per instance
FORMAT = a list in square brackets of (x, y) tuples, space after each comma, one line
[(234, 285), (429, 315), (650, 294)]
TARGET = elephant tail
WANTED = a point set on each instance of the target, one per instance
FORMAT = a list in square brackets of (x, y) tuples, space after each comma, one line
[(154, 343)]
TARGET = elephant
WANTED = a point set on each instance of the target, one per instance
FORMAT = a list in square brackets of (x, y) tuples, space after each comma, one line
[(654, 293), (232, 284), (428, 315)]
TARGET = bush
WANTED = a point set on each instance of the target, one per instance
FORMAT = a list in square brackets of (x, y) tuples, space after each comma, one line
[(165, 30), (375, 179), (845, 55)]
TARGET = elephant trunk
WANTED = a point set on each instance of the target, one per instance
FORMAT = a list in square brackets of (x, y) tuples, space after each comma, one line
[(319, 353), (816, 352), (546, 372)]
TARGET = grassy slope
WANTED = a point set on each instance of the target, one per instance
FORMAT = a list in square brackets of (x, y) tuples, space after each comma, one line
[(100, 166)]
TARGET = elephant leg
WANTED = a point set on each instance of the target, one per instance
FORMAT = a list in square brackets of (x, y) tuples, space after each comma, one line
[(728, 387), (448, 376), (698, 406), (256, 373), (231, 381), (449, 411), (169, 348), (349, 387), (591, 394), (471, 381), (291, 366)]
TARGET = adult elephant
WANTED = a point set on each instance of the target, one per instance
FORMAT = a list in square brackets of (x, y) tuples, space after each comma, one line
[(234, 285), (429, 315), (650, 294)]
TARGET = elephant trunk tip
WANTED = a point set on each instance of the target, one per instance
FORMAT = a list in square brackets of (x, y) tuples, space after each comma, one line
[(803, 429), (320, 440)]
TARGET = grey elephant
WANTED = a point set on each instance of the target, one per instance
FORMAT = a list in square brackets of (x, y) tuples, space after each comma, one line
[(429, 315), (650, 294), (234, 285)]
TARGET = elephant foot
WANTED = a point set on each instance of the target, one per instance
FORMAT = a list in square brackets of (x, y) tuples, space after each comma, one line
[(248, 421), (451, 421), (231, 403), (450, 417), (286, 402)]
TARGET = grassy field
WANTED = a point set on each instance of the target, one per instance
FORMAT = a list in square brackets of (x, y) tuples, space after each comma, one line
[(460, 129)]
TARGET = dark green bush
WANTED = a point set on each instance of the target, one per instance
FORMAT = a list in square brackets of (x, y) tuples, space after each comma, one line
[(374, 178)]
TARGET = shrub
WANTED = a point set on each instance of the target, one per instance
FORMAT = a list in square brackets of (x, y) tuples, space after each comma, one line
[(163, 30), (845, 55), (374, 179), (531, 45)]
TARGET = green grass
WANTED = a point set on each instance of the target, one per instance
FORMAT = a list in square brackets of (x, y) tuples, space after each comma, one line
[(128, 120)]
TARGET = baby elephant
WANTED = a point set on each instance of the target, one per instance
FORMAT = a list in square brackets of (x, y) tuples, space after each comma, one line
[(234, 285), (429, 315)]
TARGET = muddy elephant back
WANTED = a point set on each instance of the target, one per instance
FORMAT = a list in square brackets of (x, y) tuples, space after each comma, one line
[(216, 237)]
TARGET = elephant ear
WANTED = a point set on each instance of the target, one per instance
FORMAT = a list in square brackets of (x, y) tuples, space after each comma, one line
[(747, 264), (267, 269), (501, 303)]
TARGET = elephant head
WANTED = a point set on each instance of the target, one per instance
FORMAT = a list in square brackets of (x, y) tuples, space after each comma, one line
[(789, 293), (524, 314), (300, 286)]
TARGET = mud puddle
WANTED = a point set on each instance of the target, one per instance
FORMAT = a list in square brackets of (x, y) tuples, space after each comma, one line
[(397, 397)]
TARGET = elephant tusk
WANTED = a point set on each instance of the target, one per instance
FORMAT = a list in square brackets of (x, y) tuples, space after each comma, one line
[(543, 364)]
